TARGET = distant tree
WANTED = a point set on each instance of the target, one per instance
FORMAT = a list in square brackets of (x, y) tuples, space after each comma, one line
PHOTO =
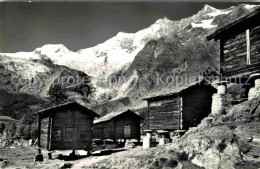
[(24, 127), (57, 94), (2, 127), (12, 129), (209, 74)]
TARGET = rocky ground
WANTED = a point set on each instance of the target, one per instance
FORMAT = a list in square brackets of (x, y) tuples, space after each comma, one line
[(129, 158), (230, 140)]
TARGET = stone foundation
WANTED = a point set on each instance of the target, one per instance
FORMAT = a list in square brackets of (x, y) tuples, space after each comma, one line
[(218, 103), (254, 91), (163, 137), (219, 100), (147, 139)]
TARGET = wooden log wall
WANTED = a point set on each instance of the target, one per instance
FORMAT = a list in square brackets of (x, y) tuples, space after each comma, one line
[(164, 114), (109, 130), (255, 45), (127, 120), (98, 130), (44, 133), (234, 53), (236, 60), (81, 126)]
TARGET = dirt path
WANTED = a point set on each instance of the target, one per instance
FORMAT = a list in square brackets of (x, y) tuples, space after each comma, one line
[(94, 159)]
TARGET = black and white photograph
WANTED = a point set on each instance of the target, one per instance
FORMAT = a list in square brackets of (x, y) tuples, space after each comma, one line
[(129, 84)]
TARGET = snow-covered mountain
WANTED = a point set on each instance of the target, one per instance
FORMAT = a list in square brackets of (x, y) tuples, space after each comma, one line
[(162, 47)]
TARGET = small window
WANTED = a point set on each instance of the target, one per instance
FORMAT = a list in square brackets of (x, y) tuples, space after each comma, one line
[(127, 131)]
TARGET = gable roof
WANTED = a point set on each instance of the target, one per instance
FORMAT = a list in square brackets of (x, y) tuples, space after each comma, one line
[(175, 91), (243, 23), (65, 105), (112, 115)]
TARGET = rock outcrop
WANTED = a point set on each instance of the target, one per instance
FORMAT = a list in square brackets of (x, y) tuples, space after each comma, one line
[(225, 141)]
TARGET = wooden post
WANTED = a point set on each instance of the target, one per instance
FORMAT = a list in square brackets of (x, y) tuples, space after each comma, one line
[(39, 130), (49, 133), (248, 46), (148, 119), (181, 110), (221, 57), (114, 127)]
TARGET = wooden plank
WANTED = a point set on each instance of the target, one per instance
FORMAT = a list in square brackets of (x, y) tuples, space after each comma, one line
[(169, 127), (248, 47), (44, 135), (255, 45), (43, 130), (243, 71), (164, 108), (39, 130), (239, 37), (163, 121), (156, 113), (235, 45)]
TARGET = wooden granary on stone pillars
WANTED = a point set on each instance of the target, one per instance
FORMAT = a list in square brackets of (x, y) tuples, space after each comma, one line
[(239, 56), (177, 109), (121, 125), (66, 127)]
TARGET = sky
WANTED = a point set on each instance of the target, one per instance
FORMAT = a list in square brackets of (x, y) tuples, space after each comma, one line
[(25, 26)]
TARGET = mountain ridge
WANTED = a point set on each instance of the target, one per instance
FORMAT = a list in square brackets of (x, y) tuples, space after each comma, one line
[(136, 57)]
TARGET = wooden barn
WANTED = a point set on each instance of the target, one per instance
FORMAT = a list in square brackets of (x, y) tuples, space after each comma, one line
[(118, 125), (239, 48), (65, 127), (179, 109)]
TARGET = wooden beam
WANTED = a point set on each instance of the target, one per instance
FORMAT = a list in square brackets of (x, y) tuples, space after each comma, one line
[(148, 115), (49, 133), (181, 110), (39, 131), (248, 46)]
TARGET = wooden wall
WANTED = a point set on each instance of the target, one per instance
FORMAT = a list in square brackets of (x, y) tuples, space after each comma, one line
[(66, 128), (127, 120), (233, 57), (98, 130), (234, 53), (116, 127), (255, 45), (71, 129), (43, 135), (196, 106), (164, 114)]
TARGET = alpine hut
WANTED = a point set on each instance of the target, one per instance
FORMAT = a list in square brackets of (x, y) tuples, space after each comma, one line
[(179, 109), (118, 125), (240, 50), (65, 127)]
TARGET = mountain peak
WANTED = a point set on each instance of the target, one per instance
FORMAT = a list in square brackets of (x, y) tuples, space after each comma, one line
[(52, 48), (164, 20), (122, 34), (207, 8)]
